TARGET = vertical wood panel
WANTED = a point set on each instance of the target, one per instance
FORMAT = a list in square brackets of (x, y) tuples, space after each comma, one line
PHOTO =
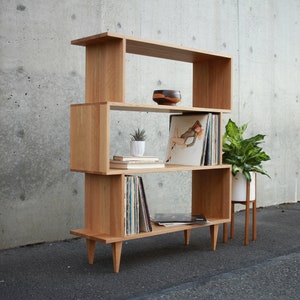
[(212, 83), (89, 138), (211, 192), (105, 71), (104, 205)]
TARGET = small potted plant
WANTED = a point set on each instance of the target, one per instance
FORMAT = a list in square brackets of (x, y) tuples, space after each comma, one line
[(137, 143), (246, 157)]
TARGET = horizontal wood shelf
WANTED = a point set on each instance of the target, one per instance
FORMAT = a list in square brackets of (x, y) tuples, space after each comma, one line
[(150, 48), (167, 168), (156, 230), (120, 106)]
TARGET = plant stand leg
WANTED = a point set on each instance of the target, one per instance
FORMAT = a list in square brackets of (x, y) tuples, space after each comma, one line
[(247, 217), (187, 235), (254, 220), (116, 254), (246, 242), (232, 221), (225, 233), (91, 245), (214, 236)]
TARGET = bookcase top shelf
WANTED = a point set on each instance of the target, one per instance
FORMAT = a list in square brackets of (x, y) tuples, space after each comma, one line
[(150, 48)]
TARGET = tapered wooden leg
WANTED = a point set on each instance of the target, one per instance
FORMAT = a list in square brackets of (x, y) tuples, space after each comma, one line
[(232, 221), (187, 235), (91, 244), (214, 236), (225, 233), (254, 220), (247, 216), (116, 254)]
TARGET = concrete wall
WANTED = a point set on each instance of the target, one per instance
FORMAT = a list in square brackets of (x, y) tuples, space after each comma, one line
[(41, 74)]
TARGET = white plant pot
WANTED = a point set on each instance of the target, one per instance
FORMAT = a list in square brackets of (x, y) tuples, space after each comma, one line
[(137, 148), (239, 187)]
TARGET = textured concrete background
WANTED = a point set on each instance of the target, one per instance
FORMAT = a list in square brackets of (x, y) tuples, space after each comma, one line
[(41, 74)]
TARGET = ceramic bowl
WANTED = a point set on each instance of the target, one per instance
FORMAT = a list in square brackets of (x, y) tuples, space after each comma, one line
[(166, 97)]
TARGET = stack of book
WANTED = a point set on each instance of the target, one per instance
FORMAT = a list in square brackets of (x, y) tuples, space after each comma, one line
[(135, 162), (137, 217)]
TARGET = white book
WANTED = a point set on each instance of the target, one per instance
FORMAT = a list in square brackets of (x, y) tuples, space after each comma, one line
[(135, 158), (133, 165)]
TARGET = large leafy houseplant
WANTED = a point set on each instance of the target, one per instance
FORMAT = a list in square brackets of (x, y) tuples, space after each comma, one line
[(244, 154)]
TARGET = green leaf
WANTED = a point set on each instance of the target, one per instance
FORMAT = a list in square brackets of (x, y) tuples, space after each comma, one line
[(244, 154)]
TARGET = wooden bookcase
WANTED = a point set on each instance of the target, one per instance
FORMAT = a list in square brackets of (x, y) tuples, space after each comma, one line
[(90, 138)]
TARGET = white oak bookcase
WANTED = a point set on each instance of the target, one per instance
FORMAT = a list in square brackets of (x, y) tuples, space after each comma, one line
[(90, 138)]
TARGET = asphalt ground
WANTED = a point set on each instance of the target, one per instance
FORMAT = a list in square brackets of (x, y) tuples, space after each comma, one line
[(163, 267)]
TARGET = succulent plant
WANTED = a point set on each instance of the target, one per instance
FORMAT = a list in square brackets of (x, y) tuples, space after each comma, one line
[(138, 135)]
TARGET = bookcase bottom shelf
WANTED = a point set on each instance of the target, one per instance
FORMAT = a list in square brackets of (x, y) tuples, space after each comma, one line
[(116, 242)]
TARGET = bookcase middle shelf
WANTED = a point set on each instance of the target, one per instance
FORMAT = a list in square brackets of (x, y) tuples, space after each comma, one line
[(90, 135)]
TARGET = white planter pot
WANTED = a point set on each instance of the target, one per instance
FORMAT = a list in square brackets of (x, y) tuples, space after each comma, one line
[(239, 187), (137, 148)]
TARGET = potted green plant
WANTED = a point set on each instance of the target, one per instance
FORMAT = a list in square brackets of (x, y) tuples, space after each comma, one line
[(137, 143), (246, 157)]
